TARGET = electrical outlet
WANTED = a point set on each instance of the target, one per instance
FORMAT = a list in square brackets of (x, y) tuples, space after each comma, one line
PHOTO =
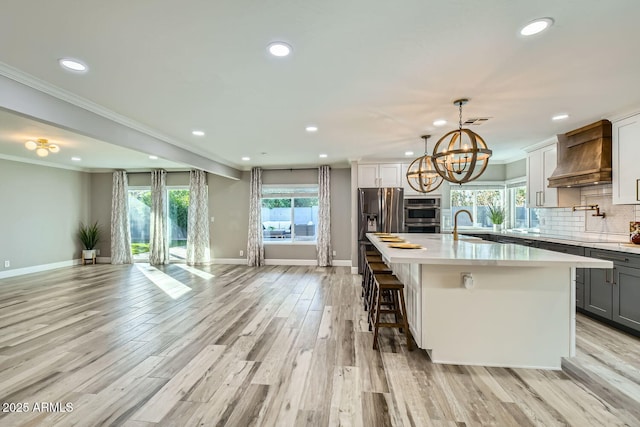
[(334, 253), (97, 251), (241, 253), (7, 264)]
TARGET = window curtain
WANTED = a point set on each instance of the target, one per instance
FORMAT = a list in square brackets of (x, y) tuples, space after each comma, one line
[(255, 248), (158, 247), (120, 231), (198, 250), (324, 216)]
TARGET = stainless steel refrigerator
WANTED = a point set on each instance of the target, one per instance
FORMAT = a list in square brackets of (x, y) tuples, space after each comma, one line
[(379, 210)]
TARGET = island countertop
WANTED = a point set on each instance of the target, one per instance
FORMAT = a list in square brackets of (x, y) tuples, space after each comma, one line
[(443, 250)]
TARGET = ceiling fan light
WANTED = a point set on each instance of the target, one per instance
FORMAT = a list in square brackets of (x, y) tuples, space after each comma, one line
[(30, 145), (42, 152)]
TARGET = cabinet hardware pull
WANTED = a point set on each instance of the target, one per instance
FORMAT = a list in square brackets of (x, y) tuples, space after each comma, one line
[(638, 190), (606, 277), (613, 276), (612, 258)]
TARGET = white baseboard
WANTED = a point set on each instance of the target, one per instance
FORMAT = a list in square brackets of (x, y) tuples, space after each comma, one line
[(38, 268), (290, 262), (236, 261), (240, 261)]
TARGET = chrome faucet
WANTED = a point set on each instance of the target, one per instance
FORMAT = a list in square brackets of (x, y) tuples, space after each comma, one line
[(455, 222)]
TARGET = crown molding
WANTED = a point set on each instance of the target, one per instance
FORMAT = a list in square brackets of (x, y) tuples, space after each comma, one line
[(549, 141), (64, 95), (41, 163)]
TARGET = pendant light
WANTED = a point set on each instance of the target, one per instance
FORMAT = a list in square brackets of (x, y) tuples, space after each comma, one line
[(461, 155), (421, 175)]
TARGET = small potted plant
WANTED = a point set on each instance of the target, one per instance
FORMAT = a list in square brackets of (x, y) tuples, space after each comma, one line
[(89, 236), (496, 214)]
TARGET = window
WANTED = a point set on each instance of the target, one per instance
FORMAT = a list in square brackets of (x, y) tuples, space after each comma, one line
[(517, 212), (289, 214), (140, 220), (476, 199)]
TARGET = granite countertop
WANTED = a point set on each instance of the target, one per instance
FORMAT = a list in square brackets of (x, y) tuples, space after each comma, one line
[(441, 249), (615, 243)]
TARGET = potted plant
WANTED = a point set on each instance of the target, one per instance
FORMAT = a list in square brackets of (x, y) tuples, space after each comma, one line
[(496, 214), (89, 236)]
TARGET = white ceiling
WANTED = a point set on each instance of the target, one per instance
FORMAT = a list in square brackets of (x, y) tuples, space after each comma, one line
[(371, 74)]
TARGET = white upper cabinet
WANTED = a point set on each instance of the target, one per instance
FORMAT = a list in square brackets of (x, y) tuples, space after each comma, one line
[(540, 166), (625, 168), (380, 175)]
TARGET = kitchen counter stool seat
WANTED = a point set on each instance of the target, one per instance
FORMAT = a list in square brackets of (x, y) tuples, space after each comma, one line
[(394, 288), (372, 268)]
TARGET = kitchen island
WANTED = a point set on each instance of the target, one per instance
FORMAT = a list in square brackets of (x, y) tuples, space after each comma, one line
[(474, 302)]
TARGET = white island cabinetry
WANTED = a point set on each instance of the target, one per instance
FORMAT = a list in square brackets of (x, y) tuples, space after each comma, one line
[(517, 311)]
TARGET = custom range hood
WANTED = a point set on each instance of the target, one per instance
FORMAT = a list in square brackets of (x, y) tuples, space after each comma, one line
[(584, 156)]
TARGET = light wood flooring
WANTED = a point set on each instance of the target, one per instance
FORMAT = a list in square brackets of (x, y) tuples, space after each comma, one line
[(269, 346)]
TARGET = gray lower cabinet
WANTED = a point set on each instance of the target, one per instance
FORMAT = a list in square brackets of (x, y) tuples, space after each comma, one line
[(598, 292), (614, 294), (626, 297)]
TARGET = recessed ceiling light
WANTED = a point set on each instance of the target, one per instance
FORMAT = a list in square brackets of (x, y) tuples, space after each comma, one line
[(311, 128), (197, 133), (153, 157), (408, 153), (279, 49), (439, 122), (246, 159), (73, 65), (323, 156), (537, 26), (76, 159), (560, 117)]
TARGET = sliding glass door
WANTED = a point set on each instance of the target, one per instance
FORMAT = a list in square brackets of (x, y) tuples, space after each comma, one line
[(178, 218), (177, 222), (139, 222)]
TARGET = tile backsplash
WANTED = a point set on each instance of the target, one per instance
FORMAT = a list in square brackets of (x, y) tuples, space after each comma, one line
[(615, 225)]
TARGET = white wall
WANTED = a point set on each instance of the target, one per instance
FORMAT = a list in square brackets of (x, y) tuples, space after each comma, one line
[(229, 205), (41, 209)]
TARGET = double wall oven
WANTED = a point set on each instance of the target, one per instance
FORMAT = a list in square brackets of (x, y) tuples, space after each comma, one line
[(422, 215)]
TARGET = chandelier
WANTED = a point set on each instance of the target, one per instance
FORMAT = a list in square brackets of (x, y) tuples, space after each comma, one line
[(461, 155), (421, 174), (42, 147)]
